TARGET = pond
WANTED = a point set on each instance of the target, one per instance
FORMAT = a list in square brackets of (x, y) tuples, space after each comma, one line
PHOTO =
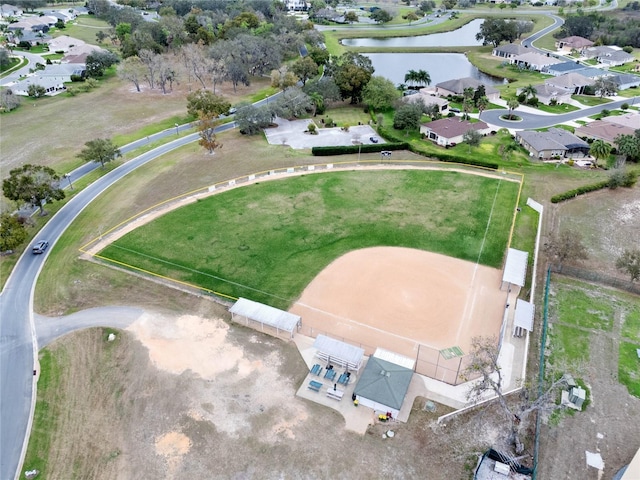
[(462, 37), (440, 66)]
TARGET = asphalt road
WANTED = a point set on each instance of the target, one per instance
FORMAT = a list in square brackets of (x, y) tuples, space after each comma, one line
[(18, 342)]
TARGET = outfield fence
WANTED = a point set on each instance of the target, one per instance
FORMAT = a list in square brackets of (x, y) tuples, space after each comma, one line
[(596, 277)]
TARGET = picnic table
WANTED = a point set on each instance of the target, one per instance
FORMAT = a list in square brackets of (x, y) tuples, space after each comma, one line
[(315, 386), (316, 369), (330, 374)]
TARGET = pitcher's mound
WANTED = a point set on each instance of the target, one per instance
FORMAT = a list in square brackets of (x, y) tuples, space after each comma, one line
[(397, 298)]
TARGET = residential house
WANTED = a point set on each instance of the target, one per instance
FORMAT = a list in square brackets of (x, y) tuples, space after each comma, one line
[(79, 53), (631, 120), (64, 43), (534, 61), (457, 87), (602, 130), (555, 143), (10, 11), (625, 80), (509, 50), (450, 130), (568, 44), (547, 94), (608, 55), (297, 5), (428, 98), (574, 67), (52, 85), (575, 83)]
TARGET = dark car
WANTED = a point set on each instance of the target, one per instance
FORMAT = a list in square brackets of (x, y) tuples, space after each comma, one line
[(40, 247), (454, 110), (373, 139)]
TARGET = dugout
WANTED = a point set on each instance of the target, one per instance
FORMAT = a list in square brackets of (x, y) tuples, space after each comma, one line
[(523, 319), (254, 313), (515, 268), (339, 353), (384, 382)]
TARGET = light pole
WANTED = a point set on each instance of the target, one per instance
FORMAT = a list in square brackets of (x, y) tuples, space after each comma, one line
[(177, 133), (68, 177)]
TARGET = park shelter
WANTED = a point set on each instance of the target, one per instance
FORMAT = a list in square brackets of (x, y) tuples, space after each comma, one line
[(523, 319), (515, 268), (263, 314), (339, 353), (383, 384)]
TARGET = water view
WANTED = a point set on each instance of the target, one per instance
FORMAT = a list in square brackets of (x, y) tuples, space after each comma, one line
[(462, 37), (440, 66)]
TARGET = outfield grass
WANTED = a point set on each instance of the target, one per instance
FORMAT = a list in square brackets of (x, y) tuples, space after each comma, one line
[(273, 238)]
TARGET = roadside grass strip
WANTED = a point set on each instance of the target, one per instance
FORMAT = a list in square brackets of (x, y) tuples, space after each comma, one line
[(268, 240)]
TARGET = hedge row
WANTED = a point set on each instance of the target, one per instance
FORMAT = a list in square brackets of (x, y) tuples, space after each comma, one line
[(364, 148), (579, 191), (444, 155)]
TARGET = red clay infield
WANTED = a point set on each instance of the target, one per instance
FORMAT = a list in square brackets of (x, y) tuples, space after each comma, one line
[(395, 298)]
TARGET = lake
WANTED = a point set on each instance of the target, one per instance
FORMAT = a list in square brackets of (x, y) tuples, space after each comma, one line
[(462, 37), (440, 66)]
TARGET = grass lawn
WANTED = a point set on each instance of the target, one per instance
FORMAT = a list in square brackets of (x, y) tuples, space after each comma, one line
[(591, 101), (578, 306), (268, 241), (345, 115), (569, 346), (557, 109), (84, 28), (629, 367), (631, 327)]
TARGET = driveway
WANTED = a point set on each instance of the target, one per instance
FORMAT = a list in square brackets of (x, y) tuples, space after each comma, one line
[(292, 133)]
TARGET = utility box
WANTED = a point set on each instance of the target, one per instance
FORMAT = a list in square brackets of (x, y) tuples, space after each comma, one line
[(577, 396)]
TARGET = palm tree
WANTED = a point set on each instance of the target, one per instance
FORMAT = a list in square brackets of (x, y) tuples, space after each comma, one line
[(529, 91), (512, 105), (411, 77), (482, 103), (423, 77), (600, 150)]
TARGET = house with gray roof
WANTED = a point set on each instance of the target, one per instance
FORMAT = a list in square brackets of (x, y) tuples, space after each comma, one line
[(625, 80), (547, 94), (450, 130), (7, 11), (631, 120), (383, 385), (457, 86), (427, 98), (534, 61), (608, 55), (574, 67), (52, 84), (554, 143), (573, 82), (509, 50), (603, 130)]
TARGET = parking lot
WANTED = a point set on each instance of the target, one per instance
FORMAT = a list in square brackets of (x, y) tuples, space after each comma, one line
[(293, 133)]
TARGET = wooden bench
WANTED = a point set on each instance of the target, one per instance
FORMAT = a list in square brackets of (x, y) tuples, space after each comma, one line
[(315, 386), (335, 394)]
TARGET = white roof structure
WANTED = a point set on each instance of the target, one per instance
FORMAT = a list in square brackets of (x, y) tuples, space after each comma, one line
[(265, 315), (395, 358), (515, 268), (344, 354), (524, 315)]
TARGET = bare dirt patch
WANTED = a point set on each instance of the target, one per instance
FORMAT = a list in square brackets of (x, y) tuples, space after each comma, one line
[(236, 417)]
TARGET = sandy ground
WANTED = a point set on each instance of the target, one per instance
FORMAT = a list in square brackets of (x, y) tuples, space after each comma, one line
[(397, 298)]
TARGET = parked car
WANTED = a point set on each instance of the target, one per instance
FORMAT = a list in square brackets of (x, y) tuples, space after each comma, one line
[(232, 110), (40, 247), (454, 110), (373, 139)]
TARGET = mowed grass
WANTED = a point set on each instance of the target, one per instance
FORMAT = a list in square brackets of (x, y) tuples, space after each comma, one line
[(268, 241), (580, 307), (629, 367)]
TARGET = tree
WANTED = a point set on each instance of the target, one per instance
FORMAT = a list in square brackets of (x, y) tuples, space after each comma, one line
[(319, 55), (282, 78), (566, 248), (133, 70), (578, 25), (381, 16), (8, 100), (36, 91), (293, 103), (481, 104), (99, 150), (629, 145), (629, 263), (472, 138), (5, 60), (251, 119), (485, 374), (506, 148), (417, 77), (411, 17), (207, 124), (512, 105), (380, 93), (33, 185), (407, 117), (496, 30), (605, 87), (352, 72), (207, 103), (305, 68), (529, 91), (600, 150), (98, 61), (351, 16), (12, 232)]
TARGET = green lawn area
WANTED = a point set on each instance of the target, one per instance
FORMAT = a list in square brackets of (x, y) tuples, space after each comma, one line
[(345, 115), (267, 241), (557, 109), (580, 310), (590, 101), (84, 28)]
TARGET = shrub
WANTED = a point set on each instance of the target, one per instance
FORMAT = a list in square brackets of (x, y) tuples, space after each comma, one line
[(579, 191), (24, 44), (312, 129), (365, 148), (628, 49), (328, 122), (77, 78), (605, 113), (624, 106), (621, 178), (553, 102)]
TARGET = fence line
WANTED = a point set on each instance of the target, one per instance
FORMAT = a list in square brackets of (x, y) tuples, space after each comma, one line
[(596, 277)]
